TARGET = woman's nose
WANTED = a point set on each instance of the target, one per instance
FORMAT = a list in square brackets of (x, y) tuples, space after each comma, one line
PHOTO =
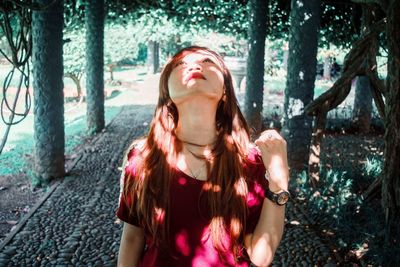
[(194, 66)]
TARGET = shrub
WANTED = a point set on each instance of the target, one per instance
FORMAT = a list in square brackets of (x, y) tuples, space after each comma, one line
[(338, 205)]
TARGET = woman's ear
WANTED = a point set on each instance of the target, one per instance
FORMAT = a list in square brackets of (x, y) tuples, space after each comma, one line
[(224, 96)]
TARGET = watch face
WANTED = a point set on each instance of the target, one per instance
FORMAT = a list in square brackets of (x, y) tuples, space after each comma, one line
[(283, 198)]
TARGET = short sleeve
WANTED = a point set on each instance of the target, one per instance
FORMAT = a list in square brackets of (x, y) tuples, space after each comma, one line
[(257, 183), (126, 200)]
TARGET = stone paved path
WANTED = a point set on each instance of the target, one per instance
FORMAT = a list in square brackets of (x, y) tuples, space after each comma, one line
[(76, 225)]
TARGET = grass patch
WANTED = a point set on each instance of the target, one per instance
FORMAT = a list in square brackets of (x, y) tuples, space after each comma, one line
[(19, 157), (277, 85)]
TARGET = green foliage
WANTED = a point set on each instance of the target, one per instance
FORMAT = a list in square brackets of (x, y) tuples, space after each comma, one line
[(329, 204), (120, 43), (278, 21), (176, 23), (17, 158), (74, 51), (373, 167), (219, 15), (155, 25), (338, 205), (274, 56), (340, 25), (74, 14), (125, 37)]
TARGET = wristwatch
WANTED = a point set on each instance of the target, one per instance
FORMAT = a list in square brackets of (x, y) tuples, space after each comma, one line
[(280, 198)]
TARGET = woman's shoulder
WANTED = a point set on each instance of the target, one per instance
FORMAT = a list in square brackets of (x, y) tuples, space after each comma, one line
[(132, 156)]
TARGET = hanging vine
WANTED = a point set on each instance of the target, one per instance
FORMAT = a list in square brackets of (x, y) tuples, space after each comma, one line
[(15, 27)]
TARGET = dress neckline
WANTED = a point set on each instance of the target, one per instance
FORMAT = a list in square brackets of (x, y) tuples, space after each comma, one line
[(178, 170)]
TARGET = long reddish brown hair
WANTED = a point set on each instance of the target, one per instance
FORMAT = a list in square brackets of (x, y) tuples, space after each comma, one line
[(157, 156)]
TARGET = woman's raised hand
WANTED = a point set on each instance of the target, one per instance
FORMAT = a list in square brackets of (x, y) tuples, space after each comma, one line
[(274, 156)]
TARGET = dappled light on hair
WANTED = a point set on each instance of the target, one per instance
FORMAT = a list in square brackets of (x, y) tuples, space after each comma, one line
[(163, 137), (219, 233), (236, 227), (229, 141), (208, 186), (159, 214), (241, 187)]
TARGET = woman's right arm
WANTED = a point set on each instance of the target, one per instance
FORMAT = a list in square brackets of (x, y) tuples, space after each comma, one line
[(131, 247)]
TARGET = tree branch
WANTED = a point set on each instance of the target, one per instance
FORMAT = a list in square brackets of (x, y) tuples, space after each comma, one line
[(381, 3), (380, 104), (352, 67)]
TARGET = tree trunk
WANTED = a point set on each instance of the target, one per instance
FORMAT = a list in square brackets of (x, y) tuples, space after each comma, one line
[(77, 81), (153, 57), (391, 170), (285, 56), (47, 26), (362, 108), (111, 70), (253, 100), (327, 68), (94, 18), (303, 42), (315, 148), (156, 56)]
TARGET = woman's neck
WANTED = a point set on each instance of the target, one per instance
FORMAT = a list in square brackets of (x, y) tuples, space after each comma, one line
[(196, 126)]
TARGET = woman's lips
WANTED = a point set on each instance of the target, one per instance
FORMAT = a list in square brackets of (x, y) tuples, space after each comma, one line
[(196, 75)]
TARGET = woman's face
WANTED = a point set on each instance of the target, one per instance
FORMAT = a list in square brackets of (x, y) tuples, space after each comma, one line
[(196, 74)]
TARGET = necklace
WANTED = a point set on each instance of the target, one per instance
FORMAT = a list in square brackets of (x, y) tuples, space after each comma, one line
[(197, 172), (194, 144)]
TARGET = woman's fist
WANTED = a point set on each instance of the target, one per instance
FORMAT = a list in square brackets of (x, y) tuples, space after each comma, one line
[(274, 155)]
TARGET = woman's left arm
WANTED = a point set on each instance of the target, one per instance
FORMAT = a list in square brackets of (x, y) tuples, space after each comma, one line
[(263, 242)]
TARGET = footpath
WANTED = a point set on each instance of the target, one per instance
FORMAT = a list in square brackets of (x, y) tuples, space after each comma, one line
[(76, 224)]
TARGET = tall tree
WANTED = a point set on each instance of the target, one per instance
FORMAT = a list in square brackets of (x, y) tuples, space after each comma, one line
[(362, 110), (363, 92), (391, 170), (153, 56), (253, 101), (299, 91), (94, 18), (47, 25)]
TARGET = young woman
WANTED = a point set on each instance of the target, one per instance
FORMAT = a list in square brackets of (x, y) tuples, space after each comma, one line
[(195, 192)]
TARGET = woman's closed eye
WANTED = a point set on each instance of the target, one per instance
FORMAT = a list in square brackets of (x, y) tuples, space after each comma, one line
[(180, 63), (184, 63), (208, 60)]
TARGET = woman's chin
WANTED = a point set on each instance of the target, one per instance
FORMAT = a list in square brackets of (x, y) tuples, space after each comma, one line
[(198, 97)]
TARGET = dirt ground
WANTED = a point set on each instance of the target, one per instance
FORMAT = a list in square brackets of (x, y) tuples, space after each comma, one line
[(17, 197)]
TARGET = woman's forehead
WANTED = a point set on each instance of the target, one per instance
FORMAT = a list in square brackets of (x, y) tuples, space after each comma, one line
[(195, 55)]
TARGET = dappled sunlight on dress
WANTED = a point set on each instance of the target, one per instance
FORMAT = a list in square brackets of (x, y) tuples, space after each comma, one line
[(190, 239)]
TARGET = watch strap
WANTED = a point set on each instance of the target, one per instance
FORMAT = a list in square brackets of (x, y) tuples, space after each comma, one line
[(274, 197)]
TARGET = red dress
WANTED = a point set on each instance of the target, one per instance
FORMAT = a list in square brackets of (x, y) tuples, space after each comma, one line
[(190, 240)]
